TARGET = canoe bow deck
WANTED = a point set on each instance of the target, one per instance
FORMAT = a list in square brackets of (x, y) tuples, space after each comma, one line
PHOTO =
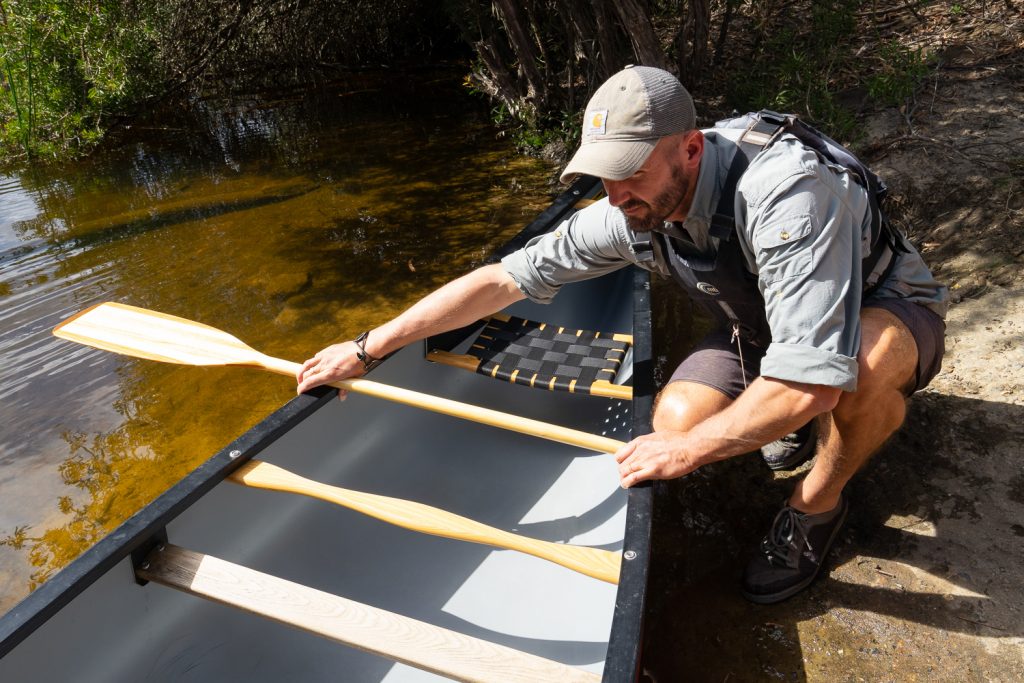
[(104, 627)]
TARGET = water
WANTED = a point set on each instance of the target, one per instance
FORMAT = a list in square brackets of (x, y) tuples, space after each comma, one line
[(291, 221)]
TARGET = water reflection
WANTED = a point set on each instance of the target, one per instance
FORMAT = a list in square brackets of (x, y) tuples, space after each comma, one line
[(290, 221)]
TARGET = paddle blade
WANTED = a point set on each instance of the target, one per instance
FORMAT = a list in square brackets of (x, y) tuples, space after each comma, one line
[(147, 334)]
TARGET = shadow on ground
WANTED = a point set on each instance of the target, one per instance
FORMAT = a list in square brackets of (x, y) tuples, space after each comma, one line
[(924, 582)]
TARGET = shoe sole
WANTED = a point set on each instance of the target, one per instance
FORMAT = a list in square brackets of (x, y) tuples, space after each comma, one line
[(771, 598), (810, 449), (785, 466)]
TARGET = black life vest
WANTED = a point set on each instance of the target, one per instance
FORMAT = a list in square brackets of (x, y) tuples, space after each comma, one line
[(721, 283)]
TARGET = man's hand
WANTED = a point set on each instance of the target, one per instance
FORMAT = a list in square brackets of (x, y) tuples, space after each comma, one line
[(333, 363), (661, 455)]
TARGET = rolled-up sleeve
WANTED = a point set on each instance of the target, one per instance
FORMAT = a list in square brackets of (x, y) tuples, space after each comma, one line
[(805, 236), (590, 243)]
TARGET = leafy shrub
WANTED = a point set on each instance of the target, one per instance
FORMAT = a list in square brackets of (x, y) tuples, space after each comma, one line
[(902, 69), (65, 68)]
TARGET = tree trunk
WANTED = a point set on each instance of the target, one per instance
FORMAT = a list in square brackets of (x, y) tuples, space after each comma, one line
[(535, 91), (496, 79), (613, 51), (637, 26), (543, 58), (692, 41)]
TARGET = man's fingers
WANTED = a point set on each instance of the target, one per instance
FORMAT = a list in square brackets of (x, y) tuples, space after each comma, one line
[(304, 370), (628, 467), (635, 476), (625, 451), (309, 378)]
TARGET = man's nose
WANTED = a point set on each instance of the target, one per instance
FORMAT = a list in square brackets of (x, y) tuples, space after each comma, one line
[(616, 191)]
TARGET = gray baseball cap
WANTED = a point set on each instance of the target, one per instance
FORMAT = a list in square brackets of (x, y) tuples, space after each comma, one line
[(624, 120)]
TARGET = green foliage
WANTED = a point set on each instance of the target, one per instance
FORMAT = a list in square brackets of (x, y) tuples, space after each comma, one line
[(563, 128), (794, 68), (809, 64), (902, 70), (65, 68), (533, 137)]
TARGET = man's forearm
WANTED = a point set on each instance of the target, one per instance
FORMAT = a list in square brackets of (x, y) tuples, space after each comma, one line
[(767, 410), (482, 292)]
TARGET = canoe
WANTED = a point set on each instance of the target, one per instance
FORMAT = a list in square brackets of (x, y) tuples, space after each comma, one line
[(214, 581)]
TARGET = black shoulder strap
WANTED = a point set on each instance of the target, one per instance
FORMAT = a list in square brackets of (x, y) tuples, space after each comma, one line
[(764, 128)]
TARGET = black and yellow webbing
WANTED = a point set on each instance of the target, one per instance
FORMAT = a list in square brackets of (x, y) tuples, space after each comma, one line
[(545, 356)]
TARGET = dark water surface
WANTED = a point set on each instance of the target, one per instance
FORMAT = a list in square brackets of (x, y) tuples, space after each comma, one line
[(290, 221)]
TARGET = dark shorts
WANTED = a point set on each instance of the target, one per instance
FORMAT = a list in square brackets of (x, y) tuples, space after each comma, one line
[(715, 361)]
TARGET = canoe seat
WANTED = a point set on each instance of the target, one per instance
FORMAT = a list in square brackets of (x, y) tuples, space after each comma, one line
[(545, 356)]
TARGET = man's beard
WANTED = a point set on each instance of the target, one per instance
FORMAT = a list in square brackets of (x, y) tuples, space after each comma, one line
[(660, 208)]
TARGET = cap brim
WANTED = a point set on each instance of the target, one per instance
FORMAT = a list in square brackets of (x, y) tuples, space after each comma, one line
[(608, 159)]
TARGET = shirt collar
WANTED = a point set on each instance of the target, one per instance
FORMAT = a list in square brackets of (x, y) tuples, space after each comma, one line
[(713, 170)]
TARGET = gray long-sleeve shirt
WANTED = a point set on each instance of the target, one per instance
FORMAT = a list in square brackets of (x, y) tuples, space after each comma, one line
[(804, 227)]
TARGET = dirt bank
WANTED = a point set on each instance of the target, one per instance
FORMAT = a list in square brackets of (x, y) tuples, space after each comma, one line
[(925, 582)]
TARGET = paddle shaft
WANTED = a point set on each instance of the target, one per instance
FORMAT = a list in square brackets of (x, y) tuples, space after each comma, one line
[(495, 418), (594, 562)]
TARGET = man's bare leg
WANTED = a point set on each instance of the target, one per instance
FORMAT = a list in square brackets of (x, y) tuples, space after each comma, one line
[(682, 405), (863, 420)]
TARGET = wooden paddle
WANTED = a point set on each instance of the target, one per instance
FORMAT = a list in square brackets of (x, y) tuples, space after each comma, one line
[(600, 564), (147, 334)]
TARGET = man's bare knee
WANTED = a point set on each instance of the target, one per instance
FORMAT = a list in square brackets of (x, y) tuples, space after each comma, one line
[(683, 405), (888, 355), (887, 364)]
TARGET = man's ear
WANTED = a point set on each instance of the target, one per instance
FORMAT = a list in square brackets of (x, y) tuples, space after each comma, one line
[(693, 148)]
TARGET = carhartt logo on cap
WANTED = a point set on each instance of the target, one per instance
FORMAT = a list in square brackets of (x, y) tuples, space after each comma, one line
[(597, 122)]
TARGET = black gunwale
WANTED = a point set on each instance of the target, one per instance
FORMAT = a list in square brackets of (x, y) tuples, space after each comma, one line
[(622, 661), (625, 644)]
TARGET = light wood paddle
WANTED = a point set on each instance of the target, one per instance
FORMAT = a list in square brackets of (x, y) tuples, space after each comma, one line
[(157, 336), (594, 562)]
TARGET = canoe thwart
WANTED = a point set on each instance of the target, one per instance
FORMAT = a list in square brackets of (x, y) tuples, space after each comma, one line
[(594, 562), (545, 356), (403, 639)]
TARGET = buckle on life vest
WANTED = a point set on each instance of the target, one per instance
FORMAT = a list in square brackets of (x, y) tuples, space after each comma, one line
[(773, 117), (644, 250)]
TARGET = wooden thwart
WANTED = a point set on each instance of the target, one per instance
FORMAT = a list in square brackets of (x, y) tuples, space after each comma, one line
[(157, 336), (594, 562), (412, 642)]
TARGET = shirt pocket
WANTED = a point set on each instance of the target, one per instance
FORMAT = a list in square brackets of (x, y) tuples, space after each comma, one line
[(785, 249)]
